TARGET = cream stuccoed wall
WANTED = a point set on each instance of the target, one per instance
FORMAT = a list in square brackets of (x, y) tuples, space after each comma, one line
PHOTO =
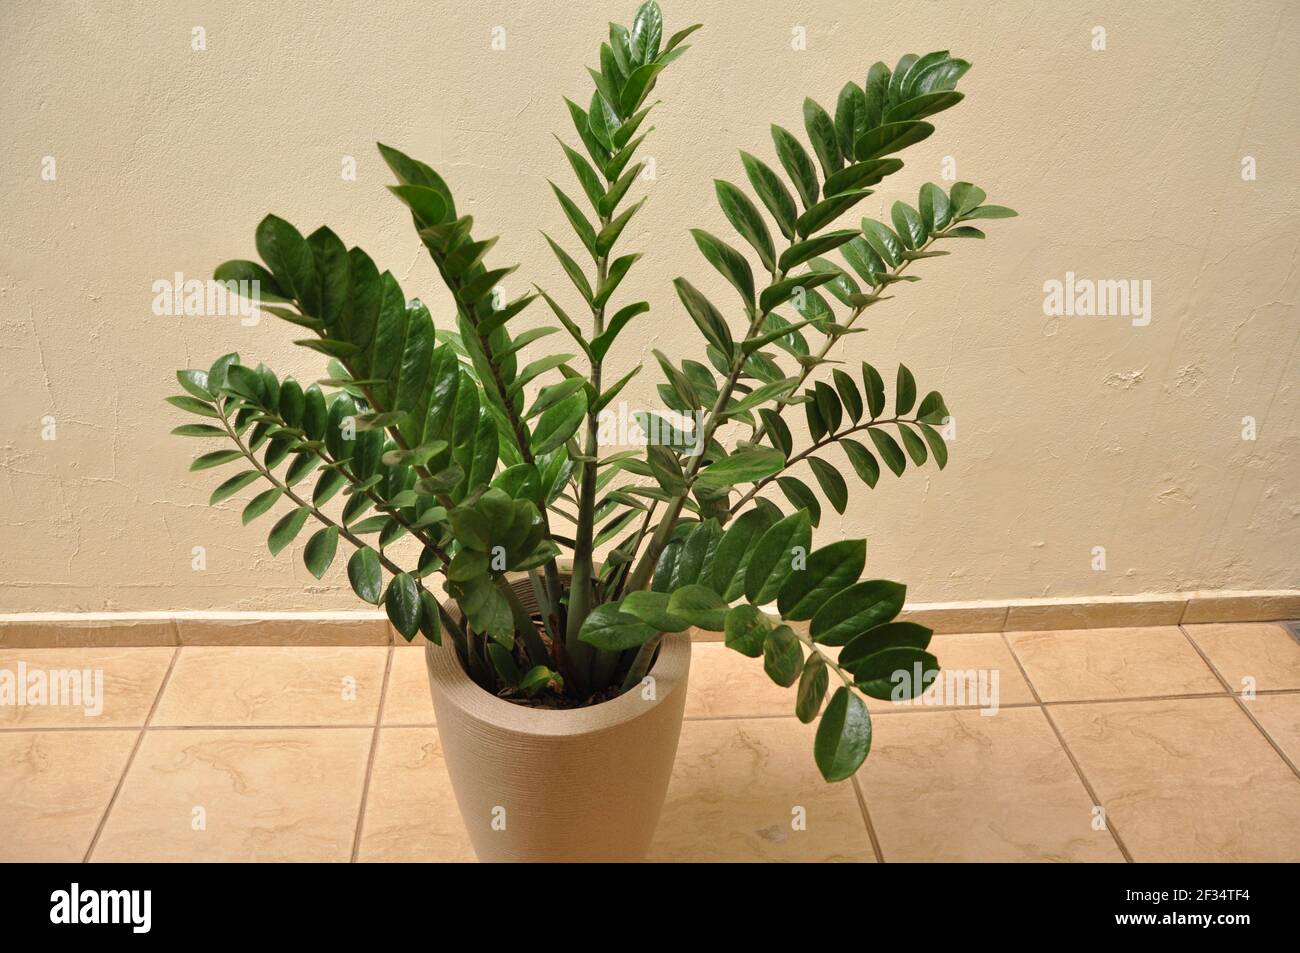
[(1071, 432)]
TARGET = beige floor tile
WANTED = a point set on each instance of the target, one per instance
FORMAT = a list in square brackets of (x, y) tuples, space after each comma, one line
[(962, 786), (1280, 717), (259, 794), (411, 812), (408, 701), (1095, 664), (977, 670), (114, 687), (740, 787), (723, 684), (1263, 652), (265, 685), (1186, 779), (54, 788)]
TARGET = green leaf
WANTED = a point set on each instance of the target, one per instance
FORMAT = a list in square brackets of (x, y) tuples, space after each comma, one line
[(196, 382), (559, 423), (905, 391), (821, 133), (729, 262), (813, 683), (875, 387), (430, 617), (402, 603), (860, 175), (609, 234), (769, 187), (798, 253), (215, 459), (746, 630), (288, 256), (286, 529), (965, 198), (843, 736), (730, 559), (197, 430), (195, 406), (908, 224), (891, 635), (260, 504), (652, 609), (862, 460), (745, 218), (922, 106), (782, 656), (365, 575), (773, 558), (890, 137), (937, 445), (320, 550), (914, 444), (606, 627), (700, 606), (829, 209), (706, 317), (991, 211), (601, 345), (852, 611), (831, 482), (647, 31), (744, 466), (828, 570), (572, 269), (883, 241), (504, 663), (936, 211), (761, 395), (797, 165), (232, 486), (892, 673), (889, 450), (797, 492)]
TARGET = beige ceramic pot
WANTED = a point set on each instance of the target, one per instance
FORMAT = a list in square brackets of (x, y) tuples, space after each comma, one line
[(586, 784)]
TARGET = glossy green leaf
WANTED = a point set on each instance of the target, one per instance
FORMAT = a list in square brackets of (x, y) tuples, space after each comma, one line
[(606, 627), (700, 606), (744, 466), (286, 529), (746, 219), (852, 611), (775, 555), (828, 570), (402, 603), (782, 656), (797, 165), (320, 549), (365, 575), (813, 682), (843, 736), (769, 187), (652, 609)]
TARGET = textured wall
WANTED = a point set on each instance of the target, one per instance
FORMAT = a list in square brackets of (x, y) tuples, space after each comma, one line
[(1071, 432)]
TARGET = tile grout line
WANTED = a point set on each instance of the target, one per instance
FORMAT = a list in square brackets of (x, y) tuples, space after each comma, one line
[(130, 760), (866, 816), (370, 758), (1074, 762), (1245, 710)]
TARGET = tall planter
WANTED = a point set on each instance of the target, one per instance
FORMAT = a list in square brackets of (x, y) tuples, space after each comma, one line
[(583, 784)]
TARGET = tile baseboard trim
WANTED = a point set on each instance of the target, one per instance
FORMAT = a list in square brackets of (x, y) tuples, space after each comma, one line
[(196, 627)]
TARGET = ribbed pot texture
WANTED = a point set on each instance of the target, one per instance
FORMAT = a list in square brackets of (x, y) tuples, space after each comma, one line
[(583, 784)]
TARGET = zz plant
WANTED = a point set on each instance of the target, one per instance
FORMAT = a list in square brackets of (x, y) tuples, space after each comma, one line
[(489, 457)]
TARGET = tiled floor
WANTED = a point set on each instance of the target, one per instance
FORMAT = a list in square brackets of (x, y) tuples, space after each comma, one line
[(1159, 743)]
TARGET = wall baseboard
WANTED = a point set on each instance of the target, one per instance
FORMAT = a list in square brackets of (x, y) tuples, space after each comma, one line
[(80, 629)]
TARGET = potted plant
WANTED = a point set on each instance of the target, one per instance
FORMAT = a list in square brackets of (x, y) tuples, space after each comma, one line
[(558, 662)]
